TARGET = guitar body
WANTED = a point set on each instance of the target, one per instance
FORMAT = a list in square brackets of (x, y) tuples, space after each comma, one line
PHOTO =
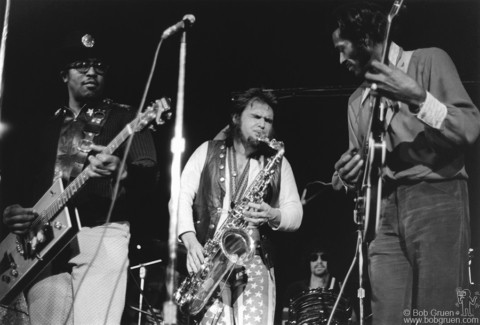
[(369, 195), (23, 257)]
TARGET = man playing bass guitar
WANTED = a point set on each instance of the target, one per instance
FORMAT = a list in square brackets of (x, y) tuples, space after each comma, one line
[(419, 254)]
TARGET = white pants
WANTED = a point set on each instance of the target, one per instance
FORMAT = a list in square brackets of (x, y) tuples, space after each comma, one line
[(94, 292)]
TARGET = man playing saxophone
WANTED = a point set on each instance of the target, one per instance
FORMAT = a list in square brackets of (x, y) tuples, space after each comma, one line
[(215, 178)]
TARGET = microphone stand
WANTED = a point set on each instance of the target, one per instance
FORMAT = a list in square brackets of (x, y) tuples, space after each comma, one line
[(3, 127), (361, 291), (360, 252), (177, 147), (142, 273), (361, 288), (2, 56)]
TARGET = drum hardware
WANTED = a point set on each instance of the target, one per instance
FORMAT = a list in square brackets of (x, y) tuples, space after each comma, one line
[(142, 275), (155, 315)]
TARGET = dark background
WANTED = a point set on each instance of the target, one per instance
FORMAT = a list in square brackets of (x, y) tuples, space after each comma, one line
[(234, 45)]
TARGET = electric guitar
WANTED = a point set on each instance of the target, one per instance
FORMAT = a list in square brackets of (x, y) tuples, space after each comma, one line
[(369, 193), (22, 257)]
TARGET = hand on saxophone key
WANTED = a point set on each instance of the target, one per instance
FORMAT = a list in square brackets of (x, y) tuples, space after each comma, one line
[(258, 214), (195, 256)]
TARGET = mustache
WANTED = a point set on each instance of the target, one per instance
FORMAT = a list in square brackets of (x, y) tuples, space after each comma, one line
[(90, 81)]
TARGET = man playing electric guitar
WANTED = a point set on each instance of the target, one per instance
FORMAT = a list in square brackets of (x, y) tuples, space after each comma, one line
[(419, 255), (86, 283)]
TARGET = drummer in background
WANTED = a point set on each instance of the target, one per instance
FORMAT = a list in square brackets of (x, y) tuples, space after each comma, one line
[(320, 278)]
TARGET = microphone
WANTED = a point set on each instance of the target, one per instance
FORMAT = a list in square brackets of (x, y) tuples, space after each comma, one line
[(186, 21)]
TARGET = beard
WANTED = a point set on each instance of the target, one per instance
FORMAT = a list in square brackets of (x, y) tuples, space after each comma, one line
[(363, 57), (254, 142), (248, 140)]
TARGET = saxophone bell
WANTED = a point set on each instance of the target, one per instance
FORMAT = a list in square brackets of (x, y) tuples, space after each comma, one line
[(237, 246)]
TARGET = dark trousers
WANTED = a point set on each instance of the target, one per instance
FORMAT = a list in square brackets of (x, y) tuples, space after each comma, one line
[(420, 254)]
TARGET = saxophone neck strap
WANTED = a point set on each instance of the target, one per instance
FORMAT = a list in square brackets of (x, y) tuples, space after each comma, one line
[(238, 183)]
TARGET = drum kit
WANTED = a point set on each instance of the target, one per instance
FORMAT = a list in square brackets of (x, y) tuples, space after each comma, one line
[(314, 306)]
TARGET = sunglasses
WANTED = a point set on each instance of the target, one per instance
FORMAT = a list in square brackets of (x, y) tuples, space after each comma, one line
[(83, 66), (314, 256)]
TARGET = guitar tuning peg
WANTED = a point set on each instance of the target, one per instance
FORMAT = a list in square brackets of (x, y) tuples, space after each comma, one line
[(163, 117), (152, 128)]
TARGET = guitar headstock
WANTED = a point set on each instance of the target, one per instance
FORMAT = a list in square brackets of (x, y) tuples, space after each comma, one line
[(158, 111), (397, 5)]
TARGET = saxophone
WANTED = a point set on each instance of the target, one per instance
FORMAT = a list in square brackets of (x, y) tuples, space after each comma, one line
[(230, 246)]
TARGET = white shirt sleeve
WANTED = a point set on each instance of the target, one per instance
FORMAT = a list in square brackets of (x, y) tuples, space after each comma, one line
[(432, 112), (289, 200), (189, 182)]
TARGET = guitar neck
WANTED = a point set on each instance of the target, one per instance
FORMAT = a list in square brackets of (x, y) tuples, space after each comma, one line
[(82, 178), (375, 123), (397, 5), (386, 42)]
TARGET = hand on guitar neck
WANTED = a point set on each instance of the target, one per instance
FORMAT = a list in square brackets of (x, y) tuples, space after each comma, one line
[(103, 165), (349, 167), (394, 84)]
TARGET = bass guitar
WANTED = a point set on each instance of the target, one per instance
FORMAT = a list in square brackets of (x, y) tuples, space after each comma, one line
[(374, 150), (22, 257)]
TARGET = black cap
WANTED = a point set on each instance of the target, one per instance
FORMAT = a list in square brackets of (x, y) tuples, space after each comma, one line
[(80, 45)]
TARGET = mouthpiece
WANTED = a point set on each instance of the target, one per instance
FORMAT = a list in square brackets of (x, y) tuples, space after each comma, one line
[(274, 144)]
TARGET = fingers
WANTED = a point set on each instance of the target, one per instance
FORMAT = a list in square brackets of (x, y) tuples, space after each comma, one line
[(195, 256), (352, 175), (345, 158), (103, 165), (350, 170), (18, 219), (258, 214), (256, 221), (97, 148), (195, 259), (377, 76)]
